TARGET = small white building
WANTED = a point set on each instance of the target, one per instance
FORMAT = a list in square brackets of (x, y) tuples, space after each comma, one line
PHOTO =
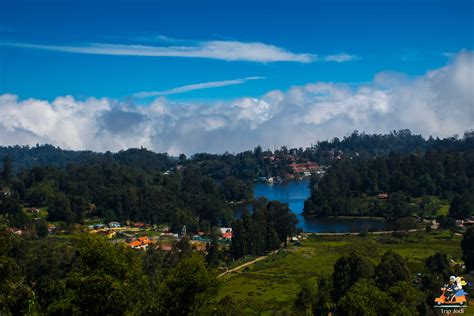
[(114, 225)]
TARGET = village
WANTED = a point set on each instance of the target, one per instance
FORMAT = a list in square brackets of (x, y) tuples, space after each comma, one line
[(139, 235)]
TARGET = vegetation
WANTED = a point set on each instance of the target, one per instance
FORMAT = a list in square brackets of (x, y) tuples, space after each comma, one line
[(300, 279), (79, 273), (269, 226), (467, 246), (88, 275), (406, 184)]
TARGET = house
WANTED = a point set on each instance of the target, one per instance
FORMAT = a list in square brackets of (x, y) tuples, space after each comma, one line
[(16, 231), (307, 167), (51, 228), (140, 243), (180, 168), (107, 233), (166, 247), (139, 225), (226, 232), (382, 196), (6, 192), (227, 235), (114, 224), (33, 210)]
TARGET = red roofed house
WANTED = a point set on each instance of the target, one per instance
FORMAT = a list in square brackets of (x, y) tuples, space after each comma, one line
[(226, 232), (227, 235), (139, 225), (140, 243)]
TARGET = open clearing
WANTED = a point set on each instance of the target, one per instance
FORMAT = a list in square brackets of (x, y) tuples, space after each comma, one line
[(273, 283)]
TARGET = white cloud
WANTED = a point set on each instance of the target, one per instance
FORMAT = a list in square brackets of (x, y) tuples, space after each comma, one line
[(196, 86), (221, 50), (340, 58), (439, 103)]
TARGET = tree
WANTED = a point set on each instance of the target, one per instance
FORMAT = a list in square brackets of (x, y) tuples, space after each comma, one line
[(467, 246), (324, 303), (391, 269), (446, 222), (438, 263), (461, 206), (41, 227), (365, 299), (284, 220), (238, 246), (408, 299), (189, 287), (60, 209), (306, 299), (7, 169), (348, 270), (213, 252)]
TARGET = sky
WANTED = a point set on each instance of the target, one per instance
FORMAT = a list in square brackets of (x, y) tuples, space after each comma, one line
[(215, 76)]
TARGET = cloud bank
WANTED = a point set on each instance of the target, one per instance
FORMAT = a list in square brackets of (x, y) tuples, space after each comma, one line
[(196, 86), (439, 103), (221, 50)]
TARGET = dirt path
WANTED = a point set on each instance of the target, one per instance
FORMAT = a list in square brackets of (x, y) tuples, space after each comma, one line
[(242, 266)]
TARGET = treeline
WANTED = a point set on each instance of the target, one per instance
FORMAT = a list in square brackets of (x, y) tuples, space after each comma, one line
[(89, 275), (246, 165), (357, 287), (351, 186), (403, 141), (115, 191), (269, 226)]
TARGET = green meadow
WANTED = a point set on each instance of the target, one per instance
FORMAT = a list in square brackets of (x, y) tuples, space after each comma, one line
[(274, 283)]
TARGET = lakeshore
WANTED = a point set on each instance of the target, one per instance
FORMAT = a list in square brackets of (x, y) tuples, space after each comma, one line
[(296, 192)]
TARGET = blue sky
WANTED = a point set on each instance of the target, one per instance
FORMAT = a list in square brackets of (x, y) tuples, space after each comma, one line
[(404, 36), (193, 76)]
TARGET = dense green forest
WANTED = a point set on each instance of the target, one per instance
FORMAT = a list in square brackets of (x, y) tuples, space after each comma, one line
[(120, 192), (410, 181)]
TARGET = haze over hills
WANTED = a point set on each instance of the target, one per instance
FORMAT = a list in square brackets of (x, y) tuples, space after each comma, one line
[(365, 145)]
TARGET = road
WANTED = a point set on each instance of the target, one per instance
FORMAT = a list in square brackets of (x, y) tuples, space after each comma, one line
[(242, 266)]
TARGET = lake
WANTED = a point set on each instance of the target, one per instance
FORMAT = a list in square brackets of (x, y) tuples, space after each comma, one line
[(295, 193)]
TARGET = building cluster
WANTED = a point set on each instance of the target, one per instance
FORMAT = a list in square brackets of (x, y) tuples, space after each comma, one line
[(305, 169), (136, 235)]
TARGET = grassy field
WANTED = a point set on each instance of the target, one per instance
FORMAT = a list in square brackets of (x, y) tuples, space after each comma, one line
[(273, 284)]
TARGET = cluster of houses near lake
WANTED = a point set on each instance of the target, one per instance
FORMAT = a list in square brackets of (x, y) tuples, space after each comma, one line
[(298, 171)]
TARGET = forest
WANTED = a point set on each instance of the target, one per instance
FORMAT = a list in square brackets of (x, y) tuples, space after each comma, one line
[(83, 274), (408, 182)]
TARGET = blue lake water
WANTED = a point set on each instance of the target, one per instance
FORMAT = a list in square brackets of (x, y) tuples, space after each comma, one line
[(296, 192)]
